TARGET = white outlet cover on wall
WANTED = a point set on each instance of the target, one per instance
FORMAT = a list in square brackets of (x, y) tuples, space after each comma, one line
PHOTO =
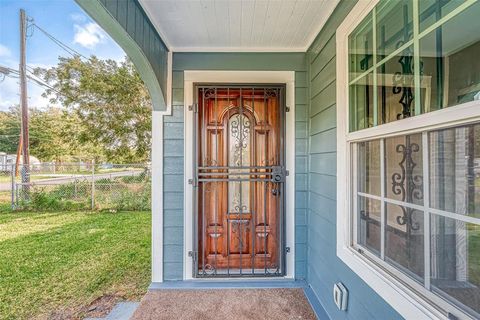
[(340, 296)]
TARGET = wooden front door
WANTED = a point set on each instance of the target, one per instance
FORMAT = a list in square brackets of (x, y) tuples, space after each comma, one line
[(240, 177)]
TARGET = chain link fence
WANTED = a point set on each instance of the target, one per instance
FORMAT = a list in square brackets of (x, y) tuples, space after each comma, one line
[(76, 186)]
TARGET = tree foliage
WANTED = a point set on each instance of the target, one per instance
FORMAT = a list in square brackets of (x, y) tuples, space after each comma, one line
[(106, 102), (54, 135)]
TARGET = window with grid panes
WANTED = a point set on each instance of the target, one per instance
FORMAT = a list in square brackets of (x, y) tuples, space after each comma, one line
[(416, 188)]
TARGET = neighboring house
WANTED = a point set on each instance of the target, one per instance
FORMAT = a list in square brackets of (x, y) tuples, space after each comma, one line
[(7, 161), (314, 141)]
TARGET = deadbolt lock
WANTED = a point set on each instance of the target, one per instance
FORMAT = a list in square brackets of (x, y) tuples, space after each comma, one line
[(278, 174)]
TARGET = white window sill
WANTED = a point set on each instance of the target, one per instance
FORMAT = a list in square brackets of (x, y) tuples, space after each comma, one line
[(400, 297)]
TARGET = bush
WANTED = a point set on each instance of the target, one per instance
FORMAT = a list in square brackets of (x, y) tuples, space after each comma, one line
[(115, 194), (50, 201)]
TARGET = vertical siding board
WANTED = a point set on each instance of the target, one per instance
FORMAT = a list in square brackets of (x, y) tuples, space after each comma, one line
[(131, 19), (112, 6), (135, 22), (138, 26), (122, 8), (324, 268)]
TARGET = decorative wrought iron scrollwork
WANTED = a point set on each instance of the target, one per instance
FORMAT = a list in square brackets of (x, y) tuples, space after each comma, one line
[(240, 131), (239, 208), (210, 162), (403, 83), (269, 93), (407, 184), (209, 94), (209, 269)]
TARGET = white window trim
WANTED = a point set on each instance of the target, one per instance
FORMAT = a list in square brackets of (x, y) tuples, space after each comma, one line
[(407, 301), (281, 77)]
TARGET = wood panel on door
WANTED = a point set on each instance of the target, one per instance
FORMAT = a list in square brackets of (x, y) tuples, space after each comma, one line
[(239, 132)]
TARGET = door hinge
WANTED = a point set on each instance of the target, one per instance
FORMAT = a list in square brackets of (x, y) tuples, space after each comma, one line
[(193, 107), (287, 109), (192, 182), (287, 249), (192, 254)]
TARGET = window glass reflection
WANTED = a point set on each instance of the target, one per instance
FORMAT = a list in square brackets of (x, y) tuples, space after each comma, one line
[(360, 44), (455, 170), (394, 26), (369, 234), (455, 265), (450, 61)]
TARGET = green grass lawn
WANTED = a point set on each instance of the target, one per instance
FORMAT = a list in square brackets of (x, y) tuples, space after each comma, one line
[(56, 265)]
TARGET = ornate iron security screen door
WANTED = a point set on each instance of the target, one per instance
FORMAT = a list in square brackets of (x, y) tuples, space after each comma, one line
[(239, 181)]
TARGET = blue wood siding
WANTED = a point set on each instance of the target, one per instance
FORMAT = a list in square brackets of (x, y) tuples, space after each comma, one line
[(131, 16), (174, 146), (324, 268)]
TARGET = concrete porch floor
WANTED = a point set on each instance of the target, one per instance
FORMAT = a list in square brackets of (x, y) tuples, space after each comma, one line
[(276, 303)]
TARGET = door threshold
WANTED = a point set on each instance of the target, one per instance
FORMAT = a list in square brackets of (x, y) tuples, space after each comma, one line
[(241, 283)]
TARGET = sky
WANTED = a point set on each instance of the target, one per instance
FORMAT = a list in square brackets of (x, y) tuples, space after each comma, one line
[(63, 19)]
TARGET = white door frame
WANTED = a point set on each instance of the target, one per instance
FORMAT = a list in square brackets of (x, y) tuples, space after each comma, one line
[(271, 77)]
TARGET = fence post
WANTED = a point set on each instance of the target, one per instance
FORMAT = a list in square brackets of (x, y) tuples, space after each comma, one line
[(93, 184), (12, 176)]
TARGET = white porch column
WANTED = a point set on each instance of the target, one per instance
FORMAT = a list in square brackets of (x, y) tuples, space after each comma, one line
[(157, 196)]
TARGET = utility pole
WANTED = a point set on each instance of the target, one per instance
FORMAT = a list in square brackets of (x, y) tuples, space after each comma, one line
[(23, 97)]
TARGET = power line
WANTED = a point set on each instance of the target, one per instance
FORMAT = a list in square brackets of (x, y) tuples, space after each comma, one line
[(62, 45), (65, 47), (33, 77)]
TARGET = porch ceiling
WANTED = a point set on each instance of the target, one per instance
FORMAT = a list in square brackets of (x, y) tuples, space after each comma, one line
[(238, 25)]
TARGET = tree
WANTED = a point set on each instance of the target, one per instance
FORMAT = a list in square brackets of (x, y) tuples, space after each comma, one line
[(110, 101), (54, 135), (9, 130)]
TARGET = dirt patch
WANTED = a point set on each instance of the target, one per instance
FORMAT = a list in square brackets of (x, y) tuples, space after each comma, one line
[(101, 306), (223, 304), (98, 308)]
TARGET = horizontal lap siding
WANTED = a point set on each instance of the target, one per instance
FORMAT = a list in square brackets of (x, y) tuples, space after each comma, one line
[(173, 184), (301, 177), (324, 268), (174, 146)]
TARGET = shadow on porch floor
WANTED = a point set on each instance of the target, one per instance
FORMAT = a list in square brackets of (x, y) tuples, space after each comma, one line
[(223, 304)]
